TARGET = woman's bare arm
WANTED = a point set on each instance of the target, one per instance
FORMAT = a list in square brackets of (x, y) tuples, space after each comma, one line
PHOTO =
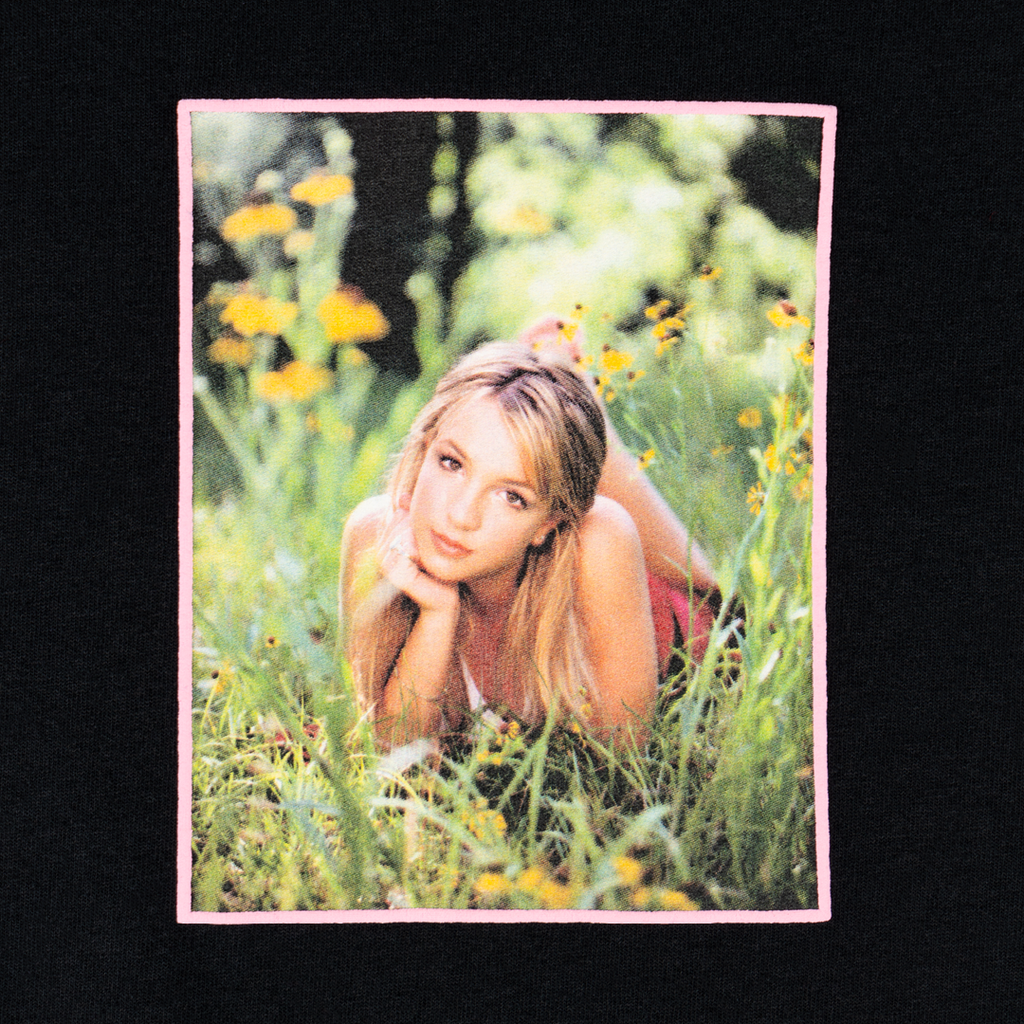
[(616, 610), (668, 549), (376, 564)]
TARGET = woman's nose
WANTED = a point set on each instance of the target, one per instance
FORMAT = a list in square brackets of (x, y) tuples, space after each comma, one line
[(464, 510)]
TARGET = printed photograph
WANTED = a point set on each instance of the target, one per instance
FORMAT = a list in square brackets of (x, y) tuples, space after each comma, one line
[(503, 512)]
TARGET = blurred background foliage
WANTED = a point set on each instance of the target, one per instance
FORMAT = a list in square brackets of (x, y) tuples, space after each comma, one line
[(463, 227)]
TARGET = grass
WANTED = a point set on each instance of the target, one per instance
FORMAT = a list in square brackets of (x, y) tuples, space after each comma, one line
[(294, 808)]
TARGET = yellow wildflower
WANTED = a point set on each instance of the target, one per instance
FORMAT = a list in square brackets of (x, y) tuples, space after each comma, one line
[(755, 498), (531, 880), (660, 331), (273, 641), (784, 315), (354, 356), (296, 382), (722, 449), (672, 900), (657, 311), (568, 331), (490, 885), (499, 823), (804, 488), (513, 729), (629, 870), (609, 395), (665, 344), (320, 188), (613, 360), (749, 417), (297, 242), (805, 352), (348, 316), (584, 362), (771, 458), (555, 896), (227, 349), (249, 314), (257, 220), (633, 376), (708, 273), (641, 898), (647, 458), (673, 323), (483, 754)]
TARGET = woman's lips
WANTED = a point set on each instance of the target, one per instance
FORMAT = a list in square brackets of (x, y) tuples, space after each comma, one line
[(448, 547)]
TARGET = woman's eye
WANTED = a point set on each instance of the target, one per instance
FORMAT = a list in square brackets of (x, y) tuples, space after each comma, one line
[(514, 499), (449, 462)]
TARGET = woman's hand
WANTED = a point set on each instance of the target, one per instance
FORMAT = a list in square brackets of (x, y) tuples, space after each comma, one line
[(399, 562)]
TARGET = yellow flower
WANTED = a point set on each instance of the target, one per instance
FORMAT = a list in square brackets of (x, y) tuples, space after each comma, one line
[(805, 352), (755, 498), (513, 729), (584, 362), (673, 323), (296, 382), (784, 314), (257, 220), (227, 349), (613, 361), (354, 356), (657, 311), (633, 376), (710, 273), (483, 754), (320, 188), (348, 316), (660, 331), (249, 314), (297, 242), (641, 898), (749, 417), (647, 458), (665, 344), (804, 488), (672, 900), (499, 823), (555, 896), (531, 880), (771, 458), (629, 871), (273, 641), (491, 885), (722, 449)]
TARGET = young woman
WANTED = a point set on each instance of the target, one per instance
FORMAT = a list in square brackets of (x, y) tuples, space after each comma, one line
[(519, 559)]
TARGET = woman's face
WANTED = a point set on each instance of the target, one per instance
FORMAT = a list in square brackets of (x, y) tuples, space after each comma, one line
[(473, 510)]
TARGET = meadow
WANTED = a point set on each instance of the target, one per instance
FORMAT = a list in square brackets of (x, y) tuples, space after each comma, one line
[(697, 315)]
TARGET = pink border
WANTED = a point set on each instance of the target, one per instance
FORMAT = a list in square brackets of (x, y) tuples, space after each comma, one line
[(185, 915)]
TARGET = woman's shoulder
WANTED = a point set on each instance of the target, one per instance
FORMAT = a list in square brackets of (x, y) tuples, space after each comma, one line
[(366, 521), (609, 542), (607, 522)]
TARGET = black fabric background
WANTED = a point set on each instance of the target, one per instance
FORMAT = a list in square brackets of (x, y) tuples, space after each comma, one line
[(924, 548)]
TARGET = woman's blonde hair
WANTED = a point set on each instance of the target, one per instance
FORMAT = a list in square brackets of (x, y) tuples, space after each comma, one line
[(559, 427)]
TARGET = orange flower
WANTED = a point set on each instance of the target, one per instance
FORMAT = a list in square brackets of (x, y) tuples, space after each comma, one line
[(296, 382), (251, 314), (227, 349), (348, 316), (256, 220), (321, 187)]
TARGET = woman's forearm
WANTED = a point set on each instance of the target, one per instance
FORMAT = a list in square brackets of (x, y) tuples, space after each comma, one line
[(412, 702), (668, 550)]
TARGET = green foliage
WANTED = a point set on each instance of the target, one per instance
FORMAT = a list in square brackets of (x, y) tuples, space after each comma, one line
[(293, 808)]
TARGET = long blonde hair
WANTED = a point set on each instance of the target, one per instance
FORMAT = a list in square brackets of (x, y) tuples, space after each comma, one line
[(559, 427)]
